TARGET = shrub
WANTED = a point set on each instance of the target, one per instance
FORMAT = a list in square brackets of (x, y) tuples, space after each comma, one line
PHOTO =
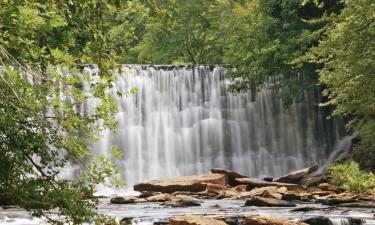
[(350, 177)]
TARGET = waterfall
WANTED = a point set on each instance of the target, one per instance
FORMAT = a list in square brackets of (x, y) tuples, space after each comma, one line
[(183, 121)]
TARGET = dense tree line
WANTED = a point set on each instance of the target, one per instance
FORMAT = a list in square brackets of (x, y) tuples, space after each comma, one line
[(303, 44)]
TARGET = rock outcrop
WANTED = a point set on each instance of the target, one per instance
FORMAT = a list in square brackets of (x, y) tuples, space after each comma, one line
[(268, 202), (266, 220), (231, 175), (317, 220), (296, 176), (253, 183), (194, 220), (189, 183)]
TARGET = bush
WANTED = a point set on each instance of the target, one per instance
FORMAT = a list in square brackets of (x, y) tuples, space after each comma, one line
[(350, 177)]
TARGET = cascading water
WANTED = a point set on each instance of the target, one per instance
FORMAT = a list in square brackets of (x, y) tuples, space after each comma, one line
[(183, 121)]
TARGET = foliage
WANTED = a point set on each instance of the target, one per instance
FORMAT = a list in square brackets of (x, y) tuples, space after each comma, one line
[(347, 52), (350, 177), (42, 127)]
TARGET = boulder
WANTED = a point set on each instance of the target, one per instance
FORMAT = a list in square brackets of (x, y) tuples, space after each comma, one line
[(267, 192), (336, 199), (361, 204), (252, 183), (221, 191), (194, 220), (296, 176), (240, 188), (195, 183), (305, 209), (317, 220), (296, 195), (160, 198), (231, 175), (310, 181), (123, 200), (328, 187), (266, 220), (268, 202)]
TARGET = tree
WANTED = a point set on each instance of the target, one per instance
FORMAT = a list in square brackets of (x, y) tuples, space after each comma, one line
[(266, 36), (42, 129), (347, 51)]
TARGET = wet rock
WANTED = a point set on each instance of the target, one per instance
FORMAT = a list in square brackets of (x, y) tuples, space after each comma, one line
[(305, 209), (183, 201), (296, 196), (337, 199), (123, 200), (266, 220), (221, 191), (240, 188), (253, 183), (268, 179), (356, 221), (256, 192), (189, 183), (317, 220), (296, 176), (268, 202), (310, 181), (328, 187), (231, 175), (146, 194), (126, 221), (360, 204), (194, 220), (160, 198)]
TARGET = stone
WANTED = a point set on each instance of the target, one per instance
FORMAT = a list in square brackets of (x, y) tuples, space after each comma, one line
[(296, 196), (221, 191), (194, 220), (317, 220), (146, 194), (231, 175), (240, 188), (195, 183), (256, 192), (160, 198), (361, 204), (296, 176), (252, 183), (183, 201), (268, 179), (268, 202), (310, 181), (337, 199), (305, 209), (123, 200), (328, 187), (267, 220)]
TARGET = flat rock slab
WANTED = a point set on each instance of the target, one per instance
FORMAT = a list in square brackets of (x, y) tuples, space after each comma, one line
[(266, 220), (252, 182), (268, 202), (296, 176), (195, 183), (231, 175), (194, 220)]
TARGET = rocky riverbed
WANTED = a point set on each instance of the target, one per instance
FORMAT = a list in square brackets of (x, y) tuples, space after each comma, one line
[(226, 197)]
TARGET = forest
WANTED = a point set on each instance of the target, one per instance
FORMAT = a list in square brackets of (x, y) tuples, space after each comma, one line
[(325, 46)]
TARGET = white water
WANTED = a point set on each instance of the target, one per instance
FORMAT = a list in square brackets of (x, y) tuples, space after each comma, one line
[(183, 121)]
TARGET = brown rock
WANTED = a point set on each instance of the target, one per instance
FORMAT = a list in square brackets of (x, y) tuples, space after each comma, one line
[(328, 187), (183, 201), (296, 176), (221, 191), (295, 195), (160, 198), (256, 192), (336, 199), (268, 202), (123, 200), (194, 220), (240, 188), (266, 220), (231, 175), (310, 181), (252, 182), (189, 183)]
